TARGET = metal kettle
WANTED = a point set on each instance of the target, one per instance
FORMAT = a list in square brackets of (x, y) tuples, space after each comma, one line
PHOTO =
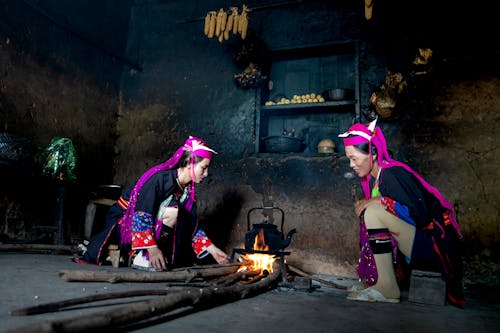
[(273, 238)]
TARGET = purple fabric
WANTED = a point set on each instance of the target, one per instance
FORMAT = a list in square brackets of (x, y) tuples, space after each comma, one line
[(197, 147), (367, 268)]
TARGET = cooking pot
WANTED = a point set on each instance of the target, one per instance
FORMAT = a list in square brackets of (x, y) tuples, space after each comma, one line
[(338, 94), (282, 144)]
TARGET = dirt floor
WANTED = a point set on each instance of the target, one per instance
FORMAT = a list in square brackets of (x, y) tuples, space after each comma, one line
[(33, 279)]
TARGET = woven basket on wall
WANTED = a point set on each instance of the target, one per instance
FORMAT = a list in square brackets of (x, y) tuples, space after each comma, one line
[(14, 147)]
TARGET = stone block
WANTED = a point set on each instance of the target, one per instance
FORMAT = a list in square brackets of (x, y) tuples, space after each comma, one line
[(427, 288)]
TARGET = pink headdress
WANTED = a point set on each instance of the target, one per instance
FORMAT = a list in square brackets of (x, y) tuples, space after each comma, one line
[(195, 145), (372, 134)]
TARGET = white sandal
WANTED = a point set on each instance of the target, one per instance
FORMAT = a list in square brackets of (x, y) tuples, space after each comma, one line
[(357, 287), (370, 295)]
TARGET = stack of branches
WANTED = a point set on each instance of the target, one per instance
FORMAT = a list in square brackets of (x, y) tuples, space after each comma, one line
[(200, 287)]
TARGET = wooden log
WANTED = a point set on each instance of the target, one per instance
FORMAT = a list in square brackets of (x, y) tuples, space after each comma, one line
[(56, 306), (233, 278), (186, 274), (44, 248), (304, 274), (201, 298)]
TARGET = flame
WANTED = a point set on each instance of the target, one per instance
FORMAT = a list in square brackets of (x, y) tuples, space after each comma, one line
[(259, 261)]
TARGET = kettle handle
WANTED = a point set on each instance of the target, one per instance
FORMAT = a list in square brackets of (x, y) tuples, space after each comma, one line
[(262, 208)]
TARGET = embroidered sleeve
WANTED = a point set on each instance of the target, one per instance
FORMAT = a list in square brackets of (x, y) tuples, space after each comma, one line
[(143, 231), (200, 243), (397, 209), (405, 189)]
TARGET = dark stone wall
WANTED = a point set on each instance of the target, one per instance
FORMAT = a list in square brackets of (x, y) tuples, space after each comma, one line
[(163, 80), (61, 68)]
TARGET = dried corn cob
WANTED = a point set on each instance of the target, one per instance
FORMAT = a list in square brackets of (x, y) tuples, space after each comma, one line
[(207, 24), (230, 22), (223, 20), (228, 29), (218, 22), (236, 20), (243, 22), (211, 29), (244, 25)]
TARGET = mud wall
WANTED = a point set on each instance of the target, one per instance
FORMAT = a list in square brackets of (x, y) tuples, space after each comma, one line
[(60, 78)]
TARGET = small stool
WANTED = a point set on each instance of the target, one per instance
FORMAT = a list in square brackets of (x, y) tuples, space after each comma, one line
[(114, 255), (427, 288), (91, 211)]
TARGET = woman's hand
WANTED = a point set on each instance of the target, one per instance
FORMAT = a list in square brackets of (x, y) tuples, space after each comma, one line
[(220, 256), (362, 204), (156, 258)]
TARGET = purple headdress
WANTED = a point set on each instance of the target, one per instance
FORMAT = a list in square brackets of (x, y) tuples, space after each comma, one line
[(195, 145), (371, 133)]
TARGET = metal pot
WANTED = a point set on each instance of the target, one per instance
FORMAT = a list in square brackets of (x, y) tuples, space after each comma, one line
[(282, 144), (338, 94)]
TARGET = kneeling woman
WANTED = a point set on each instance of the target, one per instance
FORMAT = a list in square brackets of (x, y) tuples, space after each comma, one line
[(156, 217), (400, 211)]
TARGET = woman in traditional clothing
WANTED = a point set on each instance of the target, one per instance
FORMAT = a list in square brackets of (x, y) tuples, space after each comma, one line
[(156, 217), (402, 211)]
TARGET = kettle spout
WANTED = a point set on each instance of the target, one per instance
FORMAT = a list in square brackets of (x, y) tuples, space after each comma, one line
[(288, 238)]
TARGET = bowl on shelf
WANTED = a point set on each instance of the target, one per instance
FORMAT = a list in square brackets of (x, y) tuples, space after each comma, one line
[(338, 94), (282, 144)]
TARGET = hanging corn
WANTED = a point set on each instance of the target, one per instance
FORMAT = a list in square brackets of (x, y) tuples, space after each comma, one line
[(230, 22), (206, 28), (243, 22), (368, 9), (226, 32), (236, 20), (211, 29), (223, 20), (218, 23)]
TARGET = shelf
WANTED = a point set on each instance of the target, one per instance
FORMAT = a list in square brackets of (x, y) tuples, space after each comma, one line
[(301, 155), (299, 71), (308, 107)]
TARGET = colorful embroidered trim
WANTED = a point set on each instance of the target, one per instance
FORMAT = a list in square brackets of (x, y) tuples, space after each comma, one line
[(122, 203)]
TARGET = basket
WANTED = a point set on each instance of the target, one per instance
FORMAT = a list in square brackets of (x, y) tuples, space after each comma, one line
[(14, 147), (282, 144)]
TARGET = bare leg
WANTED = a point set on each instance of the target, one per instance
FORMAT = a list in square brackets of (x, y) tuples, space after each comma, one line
[(376, 217)]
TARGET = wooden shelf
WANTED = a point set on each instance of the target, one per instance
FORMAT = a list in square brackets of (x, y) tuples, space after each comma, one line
[(307, 107), (304, 69)]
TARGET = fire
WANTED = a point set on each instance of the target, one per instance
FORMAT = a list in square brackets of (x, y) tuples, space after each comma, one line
[(259, 261)]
